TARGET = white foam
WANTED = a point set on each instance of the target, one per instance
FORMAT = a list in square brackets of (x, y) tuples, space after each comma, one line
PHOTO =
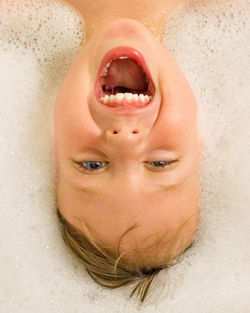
[(38, 274)]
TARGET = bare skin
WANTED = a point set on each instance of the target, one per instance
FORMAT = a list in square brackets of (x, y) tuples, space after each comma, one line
[(127, 189), (98, 13)]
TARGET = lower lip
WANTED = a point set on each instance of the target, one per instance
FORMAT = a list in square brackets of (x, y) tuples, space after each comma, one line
[(115, 53), (124, 51)]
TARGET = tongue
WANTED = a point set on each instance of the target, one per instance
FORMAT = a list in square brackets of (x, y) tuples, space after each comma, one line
[(126, 73)]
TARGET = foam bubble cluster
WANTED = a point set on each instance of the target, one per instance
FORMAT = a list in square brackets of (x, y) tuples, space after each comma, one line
[(38, 41), (27, 25)]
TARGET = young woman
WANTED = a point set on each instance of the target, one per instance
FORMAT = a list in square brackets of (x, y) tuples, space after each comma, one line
[(127, 147)]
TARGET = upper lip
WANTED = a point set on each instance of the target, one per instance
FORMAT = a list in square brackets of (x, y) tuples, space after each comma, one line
[(115, 53)]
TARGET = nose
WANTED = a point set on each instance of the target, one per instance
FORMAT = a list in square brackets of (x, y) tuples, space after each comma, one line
[(124, 137)]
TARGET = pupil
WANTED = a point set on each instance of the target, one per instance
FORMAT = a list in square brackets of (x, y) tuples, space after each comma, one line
[(158, 163), (93, 165)]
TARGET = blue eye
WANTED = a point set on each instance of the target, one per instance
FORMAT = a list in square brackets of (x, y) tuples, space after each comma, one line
[(93, 165), (160, 163)]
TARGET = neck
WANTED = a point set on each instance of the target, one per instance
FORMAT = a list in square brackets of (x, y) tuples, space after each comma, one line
[(153, 14)]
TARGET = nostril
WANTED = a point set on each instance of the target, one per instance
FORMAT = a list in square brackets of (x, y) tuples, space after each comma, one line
[(116, 131), (135, 131)]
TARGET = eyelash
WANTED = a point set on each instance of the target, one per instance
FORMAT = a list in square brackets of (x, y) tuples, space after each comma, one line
[(161, 164)]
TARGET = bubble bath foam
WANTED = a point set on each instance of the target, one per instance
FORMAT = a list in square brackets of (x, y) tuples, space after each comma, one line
[(38, 41)]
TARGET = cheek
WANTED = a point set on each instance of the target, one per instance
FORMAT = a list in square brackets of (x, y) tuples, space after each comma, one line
[(175, 131), (74, 127), (73, 121)]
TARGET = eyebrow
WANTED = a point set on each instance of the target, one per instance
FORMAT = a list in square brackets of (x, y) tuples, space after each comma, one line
[(95, 191), (88, 190), (167, 187)]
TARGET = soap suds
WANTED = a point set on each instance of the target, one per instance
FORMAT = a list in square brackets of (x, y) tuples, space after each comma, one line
[(38, 41)]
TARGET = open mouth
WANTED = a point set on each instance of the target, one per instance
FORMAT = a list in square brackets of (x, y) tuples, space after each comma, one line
[(124, 80)]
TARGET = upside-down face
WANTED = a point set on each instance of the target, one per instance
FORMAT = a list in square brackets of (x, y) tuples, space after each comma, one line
[(126, 142)]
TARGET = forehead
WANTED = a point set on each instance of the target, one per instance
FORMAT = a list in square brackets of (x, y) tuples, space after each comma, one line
[(153, 229), (110, 216)]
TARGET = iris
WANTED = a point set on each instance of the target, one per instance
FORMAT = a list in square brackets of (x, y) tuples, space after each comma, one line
[(93, 165)]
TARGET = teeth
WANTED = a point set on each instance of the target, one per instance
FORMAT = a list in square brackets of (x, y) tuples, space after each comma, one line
[(126, 98), (136, 97), (141, 97), (105, 99), (105, 70), (119, 96)]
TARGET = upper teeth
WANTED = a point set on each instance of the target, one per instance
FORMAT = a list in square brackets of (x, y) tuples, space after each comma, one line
[(126, 97)]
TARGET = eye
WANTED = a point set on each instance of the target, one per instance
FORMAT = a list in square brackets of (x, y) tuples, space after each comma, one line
[(160, 165), (92, 166)]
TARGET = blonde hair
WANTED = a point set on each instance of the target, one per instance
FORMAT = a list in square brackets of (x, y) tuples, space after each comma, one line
[(107, 268)]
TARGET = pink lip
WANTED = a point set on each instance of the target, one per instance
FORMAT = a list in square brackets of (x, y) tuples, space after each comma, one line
[(114, 54)]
